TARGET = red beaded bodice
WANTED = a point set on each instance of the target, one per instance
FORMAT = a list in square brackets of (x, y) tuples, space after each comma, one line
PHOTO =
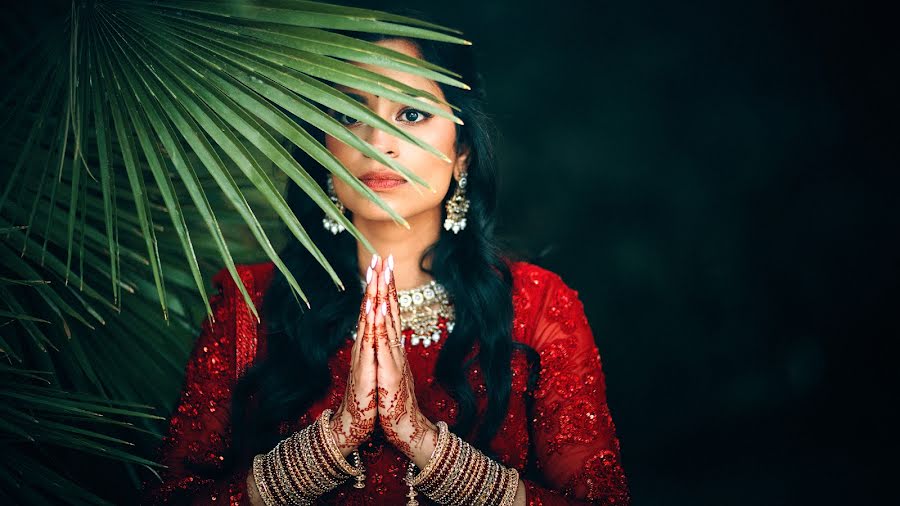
[(568, 434)]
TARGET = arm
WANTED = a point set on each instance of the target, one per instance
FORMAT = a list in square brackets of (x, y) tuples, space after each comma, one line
[(577, 451), (198, 428)]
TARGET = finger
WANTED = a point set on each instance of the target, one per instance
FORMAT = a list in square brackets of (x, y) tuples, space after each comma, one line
[(382, 346), (391, 325), (394, 306), (369, 299), (361, 319), (367, 346)]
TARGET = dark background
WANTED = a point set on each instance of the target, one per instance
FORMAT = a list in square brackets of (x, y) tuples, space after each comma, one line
[(717, 180)]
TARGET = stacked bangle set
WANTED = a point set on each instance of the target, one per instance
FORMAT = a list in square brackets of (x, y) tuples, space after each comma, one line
[(304, 466), (308, 464), (458, 473)]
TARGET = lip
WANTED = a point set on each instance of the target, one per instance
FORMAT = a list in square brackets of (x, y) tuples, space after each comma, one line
[(383, 180)]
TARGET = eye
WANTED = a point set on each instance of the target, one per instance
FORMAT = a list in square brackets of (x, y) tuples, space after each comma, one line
[(343, 118), (414, 115)]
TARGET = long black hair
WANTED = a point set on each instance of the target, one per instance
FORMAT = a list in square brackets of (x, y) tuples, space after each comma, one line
[(294, 371)]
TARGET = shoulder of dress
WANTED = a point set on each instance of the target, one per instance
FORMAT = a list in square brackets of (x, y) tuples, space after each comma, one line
[(532, 287), (532, 277), (247, 336), (255, 277)]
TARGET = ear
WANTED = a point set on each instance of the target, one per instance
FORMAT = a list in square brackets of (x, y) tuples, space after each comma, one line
[(461, 164)]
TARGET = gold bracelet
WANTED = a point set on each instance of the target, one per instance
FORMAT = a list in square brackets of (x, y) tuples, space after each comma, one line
[(272, 480), (301, 471), (476, 478), (281, 472), (498, 487), (471, 472), (320, 449), (331, 445), (319, 478), (261, 487), (459, 467), (301, 476), (511, 489), (317, 449), (487, 484), (436, 455), (438, 488), (451, 452)]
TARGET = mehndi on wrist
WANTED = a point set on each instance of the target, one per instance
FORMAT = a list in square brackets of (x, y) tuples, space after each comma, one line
[(459, 474), (303, 466)]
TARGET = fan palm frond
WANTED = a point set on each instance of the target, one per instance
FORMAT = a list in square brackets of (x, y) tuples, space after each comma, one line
[(148, 143)]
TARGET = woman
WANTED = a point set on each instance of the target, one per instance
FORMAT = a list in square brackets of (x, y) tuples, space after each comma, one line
[(449, 374)]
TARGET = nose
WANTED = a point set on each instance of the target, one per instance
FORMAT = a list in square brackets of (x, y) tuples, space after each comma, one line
[(382, 141)]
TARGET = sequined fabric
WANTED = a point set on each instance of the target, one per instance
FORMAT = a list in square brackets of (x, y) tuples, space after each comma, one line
[(567, 441)]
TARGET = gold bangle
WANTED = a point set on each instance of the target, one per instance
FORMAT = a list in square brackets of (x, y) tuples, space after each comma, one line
[(511, 489), (478, 477), (489, 478), (453, 481), (298, 465), (432, 484), (317, 449), (317, 475), (320, 450), (272, 480), (498, 486), (261, 487), (331, 445), (436, 455), (281, 472), (438, 488), (298, 470), (472, 472)]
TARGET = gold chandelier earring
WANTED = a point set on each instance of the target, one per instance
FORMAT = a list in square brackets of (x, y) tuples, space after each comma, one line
[(457, 206), (329, 223)]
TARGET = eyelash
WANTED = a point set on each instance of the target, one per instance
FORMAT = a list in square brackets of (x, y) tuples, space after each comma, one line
[(425, 116)]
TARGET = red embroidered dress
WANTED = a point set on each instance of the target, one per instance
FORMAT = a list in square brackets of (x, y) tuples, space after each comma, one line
[(569, 433)]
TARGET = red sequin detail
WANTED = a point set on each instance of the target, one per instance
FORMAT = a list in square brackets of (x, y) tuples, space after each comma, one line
[(569, 434)]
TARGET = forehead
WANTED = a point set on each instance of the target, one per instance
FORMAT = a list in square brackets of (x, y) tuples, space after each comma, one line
[(408, 48)]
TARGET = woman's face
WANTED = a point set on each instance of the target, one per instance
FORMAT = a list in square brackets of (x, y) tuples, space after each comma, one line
[(407, 199)]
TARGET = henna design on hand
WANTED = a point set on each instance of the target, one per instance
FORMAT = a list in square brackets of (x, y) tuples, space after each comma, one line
[(403, 403)]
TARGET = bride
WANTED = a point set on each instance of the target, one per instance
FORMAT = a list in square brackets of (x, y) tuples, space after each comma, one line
[(444, 373)]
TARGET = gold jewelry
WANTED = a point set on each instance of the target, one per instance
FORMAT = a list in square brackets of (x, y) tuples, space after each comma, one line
[(284, 477), (425, 473), (335, 452), (487, 484), (258, 476), (445, 491), (411, 494), (511, 489), (476, 478), (330, 224), (361, 477), (426, 311), (457, 206), (304, 466)]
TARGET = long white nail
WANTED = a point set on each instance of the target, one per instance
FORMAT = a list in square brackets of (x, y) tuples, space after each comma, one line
[(390, 261), (374, 260), (383, 308), (387, 276), (369, 275), (368, 305)]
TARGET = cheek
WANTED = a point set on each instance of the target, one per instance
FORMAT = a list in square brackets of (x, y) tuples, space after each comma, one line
[(340, 150)]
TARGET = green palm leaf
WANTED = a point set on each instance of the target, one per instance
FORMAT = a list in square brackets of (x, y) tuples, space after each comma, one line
[(147, 148)]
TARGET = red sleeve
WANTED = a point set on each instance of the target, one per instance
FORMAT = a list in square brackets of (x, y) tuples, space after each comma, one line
[(577, 451), (198, 431)]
